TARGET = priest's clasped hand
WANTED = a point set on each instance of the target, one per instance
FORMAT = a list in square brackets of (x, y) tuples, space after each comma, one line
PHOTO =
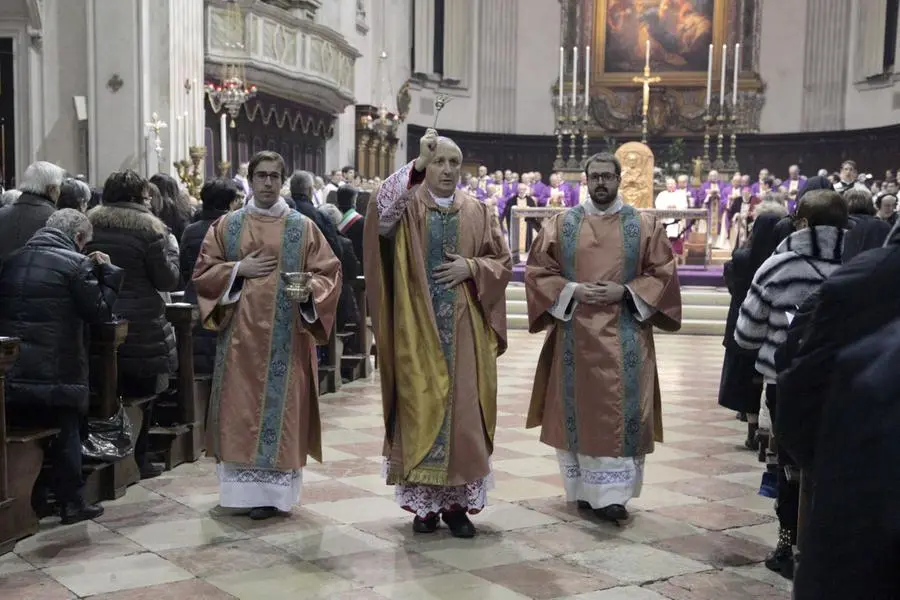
[(256, 265), (599, 294), (453, 272)]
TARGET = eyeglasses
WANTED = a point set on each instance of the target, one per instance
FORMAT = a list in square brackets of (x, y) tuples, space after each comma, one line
[(605, 177), (262, 176)]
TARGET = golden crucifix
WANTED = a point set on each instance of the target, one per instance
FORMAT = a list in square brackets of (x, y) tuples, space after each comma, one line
[(646, 79)]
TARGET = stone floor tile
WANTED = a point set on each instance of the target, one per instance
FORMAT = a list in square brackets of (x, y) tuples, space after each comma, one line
[(228, 557), (193, 589), (357, 510), (330, 491), (528, 467), (753, 502), (765, 534), (546, 579), (383, 567), (502, 516), (705, 446), (337, 469), (32, 585), (647, 527), (453, 586), (630, 592), (715, 517), (299, 581), (11, 563), (655, 496), (140, 514), (115, 574), (520, 488), (717, 585), (556, 507), (561, 538), (326, 542), (182, 534), (636, 563), (709, 488), (81, 542), (479, 553), (299, 519), (176, 486), (711, 466), (373, 484), (716, 548)]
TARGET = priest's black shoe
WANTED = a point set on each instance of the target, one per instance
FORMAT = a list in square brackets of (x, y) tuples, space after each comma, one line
[(426, 525), (584, 505), (613, 513), (459, 524), (75, 513), (261, 513)]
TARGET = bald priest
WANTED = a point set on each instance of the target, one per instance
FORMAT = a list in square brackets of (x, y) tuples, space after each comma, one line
[(599, 277), (436, 276)]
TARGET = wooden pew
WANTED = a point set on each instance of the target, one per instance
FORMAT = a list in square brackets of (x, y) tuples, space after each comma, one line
[(21, 457), (357, 366), (178, 434), (330, 370), (108, 481)]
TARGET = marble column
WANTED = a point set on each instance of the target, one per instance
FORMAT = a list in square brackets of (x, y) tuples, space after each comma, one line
[(457, 41), (498, 44), (826, 58), (423, 37)]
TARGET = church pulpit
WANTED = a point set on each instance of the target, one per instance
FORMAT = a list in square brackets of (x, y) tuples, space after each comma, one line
[(178, 432), (21, 457), (109, 480)]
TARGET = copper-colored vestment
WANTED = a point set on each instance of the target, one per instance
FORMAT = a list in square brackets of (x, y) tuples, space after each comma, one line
[(264, 409), (437, 348), (596, 390)]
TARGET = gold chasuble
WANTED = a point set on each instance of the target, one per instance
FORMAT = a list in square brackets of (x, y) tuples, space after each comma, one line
[(596, 390), (437, 347), (264, 410)]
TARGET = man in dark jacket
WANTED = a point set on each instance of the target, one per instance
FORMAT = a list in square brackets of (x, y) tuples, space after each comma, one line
[(301, 192), (30, 211), (217, 196), (857, 300), (48, 291), (352, 223)]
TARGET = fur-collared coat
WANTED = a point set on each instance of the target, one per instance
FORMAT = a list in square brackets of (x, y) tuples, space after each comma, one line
[(138, 242)]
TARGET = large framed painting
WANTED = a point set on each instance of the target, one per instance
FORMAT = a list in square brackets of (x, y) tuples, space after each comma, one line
[(679, 32)]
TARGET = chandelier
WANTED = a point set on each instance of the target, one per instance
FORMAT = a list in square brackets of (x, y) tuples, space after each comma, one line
[(234, 91), (385, 123)]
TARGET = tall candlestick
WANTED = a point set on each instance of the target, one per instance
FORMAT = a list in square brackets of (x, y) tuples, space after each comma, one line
[(647, 60), (737, 70), (587, 76), (223, 134), (574, 76), (709, 71), (722, 86), (562, 54)]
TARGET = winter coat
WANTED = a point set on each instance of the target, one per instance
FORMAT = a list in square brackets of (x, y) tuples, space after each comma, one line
[(48, 292), (866, 232), (137, 241), (799, 266), (348, 311), (21, 219)]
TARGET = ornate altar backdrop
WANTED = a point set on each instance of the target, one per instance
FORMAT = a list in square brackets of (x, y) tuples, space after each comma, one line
[(617, 30)]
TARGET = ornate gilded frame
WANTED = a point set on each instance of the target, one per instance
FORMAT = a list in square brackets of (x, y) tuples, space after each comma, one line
[(601, 79)]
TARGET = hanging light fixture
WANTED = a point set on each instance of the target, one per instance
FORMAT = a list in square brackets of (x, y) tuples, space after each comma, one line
[(234, 91), (386, 122)]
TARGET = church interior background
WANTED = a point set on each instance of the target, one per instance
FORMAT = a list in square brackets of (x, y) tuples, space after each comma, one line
[(194, 87)]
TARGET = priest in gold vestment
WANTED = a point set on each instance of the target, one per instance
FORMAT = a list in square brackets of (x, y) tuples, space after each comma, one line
[(436, 287), (264, 415), (599, 277)]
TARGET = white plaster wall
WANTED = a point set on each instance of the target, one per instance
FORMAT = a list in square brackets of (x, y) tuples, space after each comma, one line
[(869, 105), (781, 59)]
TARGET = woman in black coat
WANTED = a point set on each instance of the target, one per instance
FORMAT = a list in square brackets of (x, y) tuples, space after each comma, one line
[(741, 386), (138, 242), (217, 197), (866, 230)]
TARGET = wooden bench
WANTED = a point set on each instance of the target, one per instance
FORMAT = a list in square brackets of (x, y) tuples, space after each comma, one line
[(178, 434), (108, 481), (358, 366), (21, 457)]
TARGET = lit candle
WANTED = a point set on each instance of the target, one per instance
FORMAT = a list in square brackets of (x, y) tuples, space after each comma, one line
[(574, 76), (737, 70), (722, 86), (587, 76), (561, 62), (709, 78), (647, 60), (223, 134)]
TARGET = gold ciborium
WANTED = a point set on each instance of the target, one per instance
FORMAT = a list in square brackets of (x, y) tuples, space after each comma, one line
[(297, 286)]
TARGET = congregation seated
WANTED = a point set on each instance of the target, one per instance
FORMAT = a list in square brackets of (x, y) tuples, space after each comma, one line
[(73, 194), (49, 290), (218, 197), (30, 211), (138, 242)]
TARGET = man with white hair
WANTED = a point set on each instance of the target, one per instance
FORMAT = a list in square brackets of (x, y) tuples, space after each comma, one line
[(48, 291), (40, 190), (436, 270)]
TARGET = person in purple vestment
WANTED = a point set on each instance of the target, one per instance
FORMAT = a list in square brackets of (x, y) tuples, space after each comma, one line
[(710, 197), (763, 176), (792, 186), (557, 194), (483, 180), (683, 182), (509, 185), (473, 188), (539, 189)]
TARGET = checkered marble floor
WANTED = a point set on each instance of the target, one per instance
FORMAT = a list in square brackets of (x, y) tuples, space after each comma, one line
[(699, 530)]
